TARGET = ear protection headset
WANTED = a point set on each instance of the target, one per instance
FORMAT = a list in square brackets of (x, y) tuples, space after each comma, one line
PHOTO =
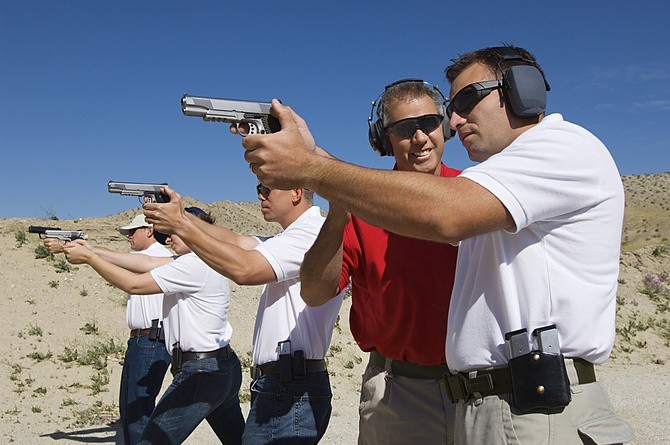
[(524, 86), (377, 135)]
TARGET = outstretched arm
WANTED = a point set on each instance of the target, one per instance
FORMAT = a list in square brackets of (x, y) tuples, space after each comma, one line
[(225, 235), (134, 262), (408, 203), (171, 217), (245, 267), (129, 282), (138, 263), (321, 269), (222, 250)]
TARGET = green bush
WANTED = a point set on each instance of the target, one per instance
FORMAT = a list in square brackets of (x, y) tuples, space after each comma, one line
[(89, 328), (62, 266), (99, 381), (68, 355), (20, 238), (35, 330), (68, 402), (41, 251), (40, 356)]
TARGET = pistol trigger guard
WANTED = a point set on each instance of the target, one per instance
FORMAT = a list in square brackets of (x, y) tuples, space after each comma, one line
[(241, 130), (146, 199)]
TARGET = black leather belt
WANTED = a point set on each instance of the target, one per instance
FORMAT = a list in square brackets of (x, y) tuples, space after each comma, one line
[(407, 369), (497, 381), (155, 332), (257, 371), (159, 334), (179, 356), (136, 332)]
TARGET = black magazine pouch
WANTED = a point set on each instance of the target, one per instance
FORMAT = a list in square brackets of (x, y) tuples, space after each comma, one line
[(285, 362), (176, 358), (153, 330), (299, 365), (539, 381), (539, 378)]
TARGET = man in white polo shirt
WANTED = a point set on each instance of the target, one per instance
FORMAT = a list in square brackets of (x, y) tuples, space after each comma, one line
[(146, 359), (539, 224), (207, 373), (290, 391)]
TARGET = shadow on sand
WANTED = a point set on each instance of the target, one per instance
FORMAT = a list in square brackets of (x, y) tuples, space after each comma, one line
[(110, 433)]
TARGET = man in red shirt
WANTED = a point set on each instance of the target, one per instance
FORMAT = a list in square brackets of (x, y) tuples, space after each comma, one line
[(400, 286)]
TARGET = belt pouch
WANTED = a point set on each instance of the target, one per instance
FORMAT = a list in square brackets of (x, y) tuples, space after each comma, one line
[(153, 330), (299, 366), (176, 357), (285, 362), (539, 381), (161, 333)]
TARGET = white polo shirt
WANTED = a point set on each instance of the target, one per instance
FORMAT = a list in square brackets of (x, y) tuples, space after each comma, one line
[(282, 314), (141, 309), (196, 303), (559, 266)]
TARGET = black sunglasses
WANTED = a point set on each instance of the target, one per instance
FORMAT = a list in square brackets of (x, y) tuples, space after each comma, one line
[(470, 96), (263, 190), (131, 232), (405, 128)]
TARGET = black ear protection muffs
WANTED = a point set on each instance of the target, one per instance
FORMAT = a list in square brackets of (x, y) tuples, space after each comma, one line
[(524, 86), (377, 134)]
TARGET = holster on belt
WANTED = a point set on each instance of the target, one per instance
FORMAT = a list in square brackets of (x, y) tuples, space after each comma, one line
[(291, 367), (175, 359), (154, 330)]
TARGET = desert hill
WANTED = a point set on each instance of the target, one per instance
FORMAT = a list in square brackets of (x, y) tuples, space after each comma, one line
[(647, 209), (64, 329)]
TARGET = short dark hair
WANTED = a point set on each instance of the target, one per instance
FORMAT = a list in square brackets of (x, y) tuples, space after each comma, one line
[(492, 58), (405, 90), (201, 214), (308, 196)]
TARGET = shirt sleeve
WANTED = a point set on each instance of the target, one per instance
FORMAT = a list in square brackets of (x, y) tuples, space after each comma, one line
[(185, 274), (349, 257), (285, 252), (544, 174)]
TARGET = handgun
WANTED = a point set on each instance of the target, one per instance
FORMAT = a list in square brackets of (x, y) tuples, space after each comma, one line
[(145, 192), (56, 232), (248, 117)]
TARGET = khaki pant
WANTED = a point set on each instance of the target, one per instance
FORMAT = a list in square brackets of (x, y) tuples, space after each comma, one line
[(588, 419), (402, 410)]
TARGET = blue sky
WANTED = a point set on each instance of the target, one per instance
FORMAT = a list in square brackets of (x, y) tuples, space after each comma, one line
[(91, 90)]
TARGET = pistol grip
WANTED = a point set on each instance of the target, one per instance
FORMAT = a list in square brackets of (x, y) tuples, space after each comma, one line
[(273, 124)]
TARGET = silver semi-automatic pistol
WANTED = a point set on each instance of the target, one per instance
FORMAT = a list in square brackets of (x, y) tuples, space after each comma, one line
[(145, 192), (248, 117), (56, 232)]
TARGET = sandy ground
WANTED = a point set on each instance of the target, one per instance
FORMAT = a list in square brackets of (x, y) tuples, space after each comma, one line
[(47, 397)]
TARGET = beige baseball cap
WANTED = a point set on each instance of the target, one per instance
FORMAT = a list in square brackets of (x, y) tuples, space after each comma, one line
[(136, 223)]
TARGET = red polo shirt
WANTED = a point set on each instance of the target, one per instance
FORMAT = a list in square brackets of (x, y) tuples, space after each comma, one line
[(400, 288)]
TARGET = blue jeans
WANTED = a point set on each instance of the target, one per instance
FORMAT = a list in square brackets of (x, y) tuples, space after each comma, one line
[(288, 413), (143, 371), (201, 389)]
